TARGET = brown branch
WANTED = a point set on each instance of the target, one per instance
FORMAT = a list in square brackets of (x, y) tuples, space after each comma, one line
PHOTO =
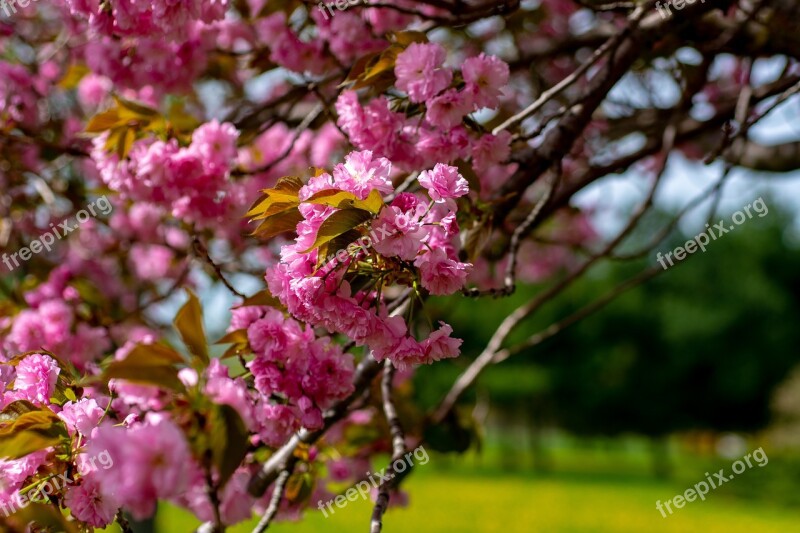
[(201, 249), (468, 377), (398, 446), (560, 326), (277, 497)]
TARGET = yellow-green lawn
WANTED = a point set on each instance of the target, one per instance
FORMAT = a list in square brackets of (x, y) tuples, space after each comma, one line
[(443, 501)]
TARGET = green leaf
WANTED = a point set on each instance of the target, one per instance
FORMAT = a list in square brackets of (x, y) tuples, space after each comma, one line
[(148, 364), (327, 252), (16, 409), (103, 121), (339, 223), (30, 432), (189, 323), (346, 200), (299, 487), (45, 517), (234, 337), (283, 196), (279, 223), (134, 110), (228, 440), (405, 38), (160, 376), (73, 76), (263, 297)]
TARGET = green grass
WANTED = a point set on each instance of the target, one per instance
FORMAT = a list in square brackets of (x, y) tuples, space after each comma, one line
[(489, 502)]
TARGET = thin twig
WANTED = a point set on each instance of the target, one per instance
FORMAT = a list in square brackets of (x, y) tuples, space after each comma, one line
[(275, 501), (558, 327), (572, 78), (203, 251), (516, 240)]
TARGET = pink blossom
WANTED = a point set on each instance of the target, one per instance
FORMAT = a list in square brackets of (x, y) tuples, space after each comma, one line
[(82, 416), (449, 108), (439, 345), (485, 77), (226, 391), (419, 71), (93, 90), (491, 150), (277, 422), (361, 172), (444, 182), (89, 504), (151, 461), (36, 379), (440, 274), (215, 143), (400, 233)]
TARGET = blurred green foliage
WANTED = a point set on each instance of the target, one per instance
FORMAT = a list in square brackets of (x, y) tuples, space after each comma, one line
[(703, 345)]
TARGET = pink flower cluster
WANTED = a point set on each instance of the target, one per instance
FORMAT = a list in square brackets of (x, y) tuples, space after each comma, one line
[(52, 325), (440, 134), (414, 236), (191, 181), (148, 62), (19, 95), (298, 375), (34, 379), (171, 19), (152, 458)]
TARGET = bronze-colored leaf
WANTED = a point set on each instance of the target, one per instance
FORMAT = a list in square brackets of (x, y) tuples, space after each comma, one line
[(189, 323), (279, 223), (263, 297), (229, 441), (148, 364), (347, 200), (29, 432), (339, 223)]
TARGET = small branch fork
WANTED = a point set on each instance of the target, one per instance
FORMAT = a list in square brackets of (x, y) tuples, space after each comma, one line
[(202, 251), (516, 240), (493, 350)]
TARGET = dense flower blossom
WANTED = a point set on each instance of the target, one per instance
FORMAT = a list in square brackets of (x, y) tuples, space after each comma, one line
[(444, 182), (151, 63), (36, 378), (82, 416), (151, 461), (169, 18), (449, 108), (191, 181), (485, 77), (96, 300), (419, 71), (50, 326), (290, 362), (89, 504), (324, 297)]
